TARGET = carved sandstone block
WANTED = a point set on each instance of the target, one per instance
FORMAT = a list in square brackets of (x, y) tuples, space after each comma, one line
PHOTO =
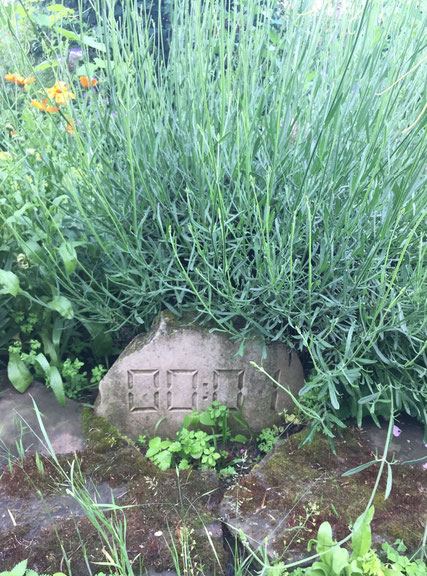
[(175, 369)]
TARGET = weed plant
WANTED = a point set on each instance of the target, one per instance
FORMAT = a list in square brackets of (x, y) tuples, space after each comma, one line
[(267, 175)]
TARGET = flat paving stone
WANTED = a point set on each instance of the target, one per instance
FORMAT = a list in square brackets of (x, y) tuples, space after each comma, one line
[(407, 444), (18, 420)]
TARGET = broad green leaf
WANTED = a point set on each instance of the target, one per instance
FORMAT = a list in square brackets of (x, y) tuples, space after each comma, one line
[(33, 251), (154, 446), (164, 460), (68, 254), (67, 33), (318, 569), (340, 560), (206, 419), (324, 538), (63, 306), (87, 69), (46, 64), (191, 420), (18, 373), (361, 538), (10, 283), (89, 41), (42, 20), (240, 438), (60, 10), (19, 569)]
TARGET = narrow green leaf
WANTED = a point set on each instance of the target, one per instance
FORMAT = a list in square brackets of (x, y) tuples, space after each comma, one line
[(370, 398), (389, 481), (240, 420), (43, 362), (358, 468), (55, 381)]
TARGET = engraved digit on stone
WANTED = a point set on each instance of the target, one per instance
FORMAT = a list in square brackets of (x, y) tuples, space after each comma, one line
[(182, 386), (143, 386), (215, 386), (205, 391), (228, 387)]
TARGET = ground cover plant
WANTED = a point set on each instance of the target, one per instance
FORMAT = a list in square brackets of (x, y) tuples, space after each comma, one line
[(267, 174), (195, 447)]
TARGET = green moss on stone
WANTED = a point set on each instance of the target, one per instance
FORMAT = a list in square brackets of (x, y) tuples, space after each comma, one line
[(100, 434)]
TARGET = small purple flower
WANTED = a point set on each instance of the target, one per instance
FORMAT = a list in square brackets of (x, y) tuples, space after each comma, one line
[(396, 431), (425, 466), (242, 450)]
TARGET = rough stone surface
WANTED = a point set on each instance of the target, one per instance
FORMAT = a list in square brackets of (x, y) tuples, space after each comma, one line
[(17, 418), (292, 491), (175, 369), (407, 443)]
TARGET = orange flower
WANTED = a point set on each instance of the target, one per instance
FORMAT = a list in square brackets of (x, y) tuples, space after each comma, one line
[(18, 79), (70, 129), (60, 93), (86, 83), (44, 106)]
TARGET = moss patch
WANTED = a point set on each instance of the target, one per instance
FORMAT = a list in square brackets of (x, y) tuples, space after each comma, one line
[(101, 436)]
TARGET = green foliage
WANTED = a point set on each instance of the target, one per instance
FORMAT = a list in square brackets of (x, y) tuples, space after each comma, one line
[(268, 175), (190, 448), (196, 447), (22, 570), (268, 438), (31, 357), (337, 561), (401, 563), (76, 381)]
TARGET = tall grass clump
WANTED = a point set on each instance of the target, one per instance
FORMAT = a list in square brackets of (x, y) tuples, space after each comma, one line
[(268, 173)]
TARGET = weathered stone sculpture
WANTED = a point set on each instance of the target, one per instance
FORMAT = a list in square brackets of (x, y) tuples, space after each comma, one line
[(175, 369)]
